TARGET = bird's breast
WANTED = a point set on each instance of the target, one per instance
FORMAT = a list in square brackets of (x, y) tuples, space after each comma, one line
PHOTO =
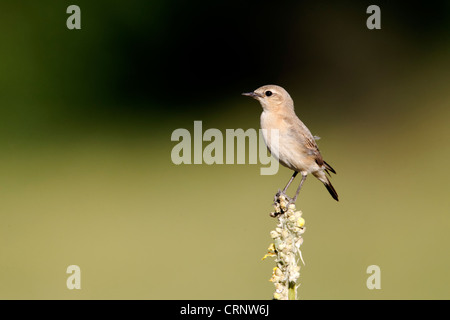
[(273, 131)]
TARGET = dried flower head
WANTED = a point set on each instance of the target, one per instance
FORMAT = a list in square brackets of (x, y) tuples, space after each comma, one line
[(287, 239)]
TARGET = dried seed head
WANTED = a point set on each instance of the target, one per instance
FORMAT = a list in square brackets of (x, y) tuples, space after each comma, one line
[(286, 246)]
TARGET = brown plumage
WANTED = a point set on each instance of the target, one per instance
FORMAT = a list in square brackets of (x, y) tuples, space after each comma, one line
[(296, 147)]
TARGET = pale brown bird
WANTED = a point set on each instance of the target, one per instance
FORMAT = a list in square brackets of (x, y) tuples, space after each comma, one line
[(297, 148)]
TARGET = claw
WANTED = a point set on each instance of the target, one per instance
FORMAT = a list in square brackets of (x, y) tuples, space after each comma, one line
[(277, 196), (291, 201), (280, 209)]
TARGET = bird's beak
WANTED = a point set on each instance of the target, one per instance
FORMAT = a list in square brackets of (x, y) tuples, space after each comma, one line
[(251, 94)]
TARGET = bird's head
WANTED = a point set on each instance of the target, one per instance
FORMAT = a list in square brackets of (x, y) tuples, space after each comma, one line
[(272, 97)]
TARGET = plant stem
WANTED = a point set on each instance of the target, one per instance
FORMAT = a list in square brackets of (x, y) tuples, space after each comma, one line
[(291, 292)]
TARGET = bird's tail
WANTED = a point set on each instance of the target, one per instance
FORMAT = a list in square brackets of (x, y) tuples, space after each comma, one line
[(322, 177), (331, 190), (328, 167)]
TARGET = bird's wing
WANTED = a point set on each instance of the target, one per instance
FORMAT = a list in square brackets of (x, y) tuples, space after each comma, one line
[(313, 149), (301, 134)]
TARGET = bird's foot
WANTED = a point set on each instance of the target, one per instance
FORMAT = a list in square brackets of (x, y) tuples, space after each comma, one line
[(281, 203), (280, 195), (291, 201)]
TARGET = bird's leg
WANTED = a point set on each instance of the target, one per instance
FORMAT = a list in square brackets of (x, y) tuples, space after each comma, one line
[(279, 193), (290, 181), (299, 187)]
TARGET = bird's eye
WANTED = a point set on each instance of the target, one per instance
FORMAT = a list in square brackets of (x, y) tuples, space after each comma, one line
[(268, 93)]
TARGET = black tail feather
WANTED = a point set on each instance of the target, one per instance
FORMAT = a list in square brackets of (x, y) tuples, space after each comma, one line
[(327, 166), (331, 190)]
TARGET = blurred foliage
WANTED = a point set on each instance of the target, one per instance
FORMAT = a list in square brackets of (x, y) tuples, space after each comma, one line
[(86, 118)]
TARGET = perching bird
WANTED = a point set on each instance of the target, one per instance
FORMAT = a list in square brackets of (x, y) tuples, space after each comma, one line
[(296, 148)]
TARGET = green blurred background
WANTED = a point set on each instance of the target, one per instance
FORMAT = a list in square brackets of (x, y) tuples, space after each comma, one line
[(86, 118)]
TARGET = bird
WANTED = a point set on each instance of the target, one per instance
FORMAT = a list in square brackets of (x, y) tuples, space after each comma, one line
[(296, 148)]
